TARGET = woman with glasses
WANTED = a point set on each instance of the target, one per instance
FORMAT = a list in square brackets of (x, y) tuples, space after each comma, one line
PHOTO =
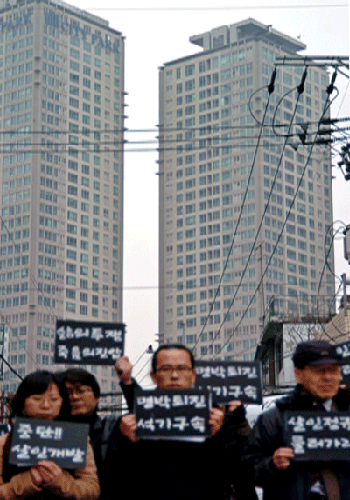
[(41, 395)]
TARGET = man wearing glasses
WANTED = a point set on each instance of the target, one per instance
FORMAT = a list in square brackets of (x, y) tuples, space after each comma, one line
[(174, 470), (83, 391), (84, 394)]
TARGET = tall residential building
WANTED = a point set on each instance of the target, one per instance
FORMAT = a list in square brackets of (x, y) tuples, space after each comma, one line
[(61, 116), (233, 177)]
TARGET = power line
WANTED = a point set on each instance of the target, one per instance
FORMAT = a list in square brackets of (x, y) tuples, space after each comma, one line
[(218, 8), (235, 144), (341, 228), (10, 368), (326, 106), (270, 87), (159, 128), (262, 218), (211, 129)]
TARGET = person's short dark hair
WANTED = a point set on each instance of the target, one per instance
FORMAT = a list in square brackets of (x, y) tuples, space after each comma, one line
[(82, 377), (37, 383), (316, 352), (166, 347)]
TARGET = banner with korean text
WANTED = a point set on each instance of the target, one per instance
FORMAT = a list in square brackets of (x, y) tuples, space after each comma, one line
[(230, 380), (318, 435), (344, 350), (64, 443), (172, 414), (88, 343)]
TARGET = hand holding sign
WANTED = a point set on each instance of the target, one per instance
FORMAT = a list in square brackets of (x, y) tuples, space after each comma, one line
[(45, 472), (216, 419), (127, 427), (36, 477), (48, 471), (282, 457), (232, 406)]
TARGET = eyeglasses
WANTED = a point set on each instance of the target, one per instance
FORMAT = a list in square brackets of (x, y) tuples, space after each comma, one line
[(180, 369), (51, 400), (78, 390)]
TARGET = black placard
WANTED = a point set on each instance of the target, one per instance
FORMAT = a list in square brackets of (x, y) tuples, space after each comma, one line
[(318, 435), (88, 343), (344, 350), (172, 414), (64, 443), (230, 380)]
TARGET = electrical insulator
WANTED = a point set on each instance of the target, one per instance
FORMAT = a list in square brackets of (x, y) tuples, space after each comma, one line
[(347, 243)]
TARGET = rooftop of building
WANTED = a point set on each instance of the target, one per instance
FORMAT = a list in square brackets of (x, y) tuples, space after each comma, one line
[(7, 5), (249, 29)]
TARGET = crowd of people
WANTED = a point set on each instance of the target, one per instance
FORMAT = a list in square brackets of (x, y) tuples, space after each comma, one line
[(228, 464)]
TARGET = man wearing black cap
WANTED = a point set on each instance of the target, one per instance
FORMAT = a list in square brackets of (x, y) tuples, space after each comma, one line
[(318, 375)]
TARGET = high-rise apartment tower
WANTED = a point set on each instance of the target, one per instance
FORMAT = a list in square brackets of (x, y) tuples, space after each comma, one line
[(245, 198), (61, 114)]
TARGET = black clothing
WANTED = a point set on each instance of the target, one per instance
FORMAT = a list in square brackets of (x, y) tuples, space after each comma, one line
[(294, 483), (99, 434), (177, 470), (128, 393)]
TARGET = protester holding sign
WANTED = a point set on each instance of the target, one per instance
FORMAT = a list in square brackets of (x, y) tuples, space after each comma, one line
[(174, 469), (280, 470), (41, 395)]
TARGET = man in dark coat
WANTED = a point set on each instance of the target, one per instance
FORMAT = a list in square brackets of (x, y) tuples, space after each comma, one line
[(318, 375), (174, 470), (84, 394)]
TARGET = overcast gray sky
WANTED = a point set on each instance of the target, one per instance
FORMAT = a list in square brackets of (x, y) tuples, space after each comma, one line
[(159, 32)]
